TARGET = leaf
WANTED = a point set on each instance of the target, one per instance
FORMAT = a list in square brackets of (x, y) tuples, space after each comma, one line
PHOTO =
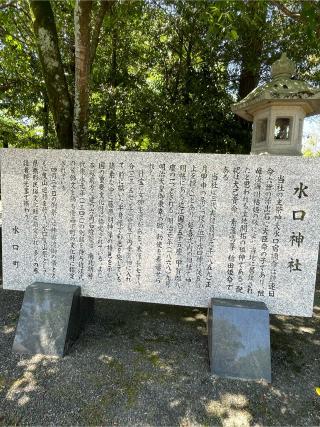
[(234, 35), (318, 391), (163, 38)]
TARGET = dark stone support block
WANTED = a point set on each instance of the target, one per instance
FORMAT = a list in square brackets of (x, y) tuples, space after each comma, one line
[(239, 339), (49, 319), (87, 306)]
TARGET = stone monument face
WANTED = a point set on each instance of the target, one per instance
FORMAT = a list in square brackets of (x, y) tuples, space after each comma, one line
[(163, 227)]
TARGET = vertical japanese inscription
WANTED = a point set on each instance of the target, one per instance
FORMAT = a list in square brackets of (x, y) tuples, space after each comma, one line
[(72, 220), (276, 234), (82, 218), (169, 261), (91, 263), (190, 250), (120, 221), (141, 202), (130, 221), (26, 189), (35, 217), (53, 206), (201, 226), (300, 192), (255, 215), (265, 236), (243, 232), (101, 218), (111, 213), (160, 224), (233, 224), (212, 229), (181, 215), (45, 211)]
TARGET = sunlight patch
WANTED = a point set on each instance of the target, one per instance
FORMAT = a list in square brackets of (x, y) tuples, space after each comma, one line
[(230, 409)]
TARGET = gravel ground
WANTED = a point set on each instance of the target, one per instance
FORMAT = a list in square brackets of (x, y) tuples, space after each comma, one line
[(144, 364)]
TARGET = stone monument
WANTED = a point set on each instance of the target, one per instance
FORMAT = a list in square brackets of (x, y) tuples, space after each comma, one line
[(239, 339), (49, 319), (163, 227)]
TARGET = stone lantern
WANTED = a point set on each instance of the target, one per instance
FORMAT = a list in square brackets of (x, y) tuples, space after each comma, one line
[(277, 110)]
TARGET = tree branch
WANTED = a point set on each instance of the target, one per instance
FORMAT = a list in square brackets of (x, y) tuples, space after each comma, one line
[(293, 15), (4, 32), (5, 5), (105, 6), (6, 86)]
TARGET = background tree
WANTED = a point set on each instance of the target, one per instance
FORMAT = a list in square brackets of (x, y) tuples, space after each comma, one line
[(53, 70), (143, 75)]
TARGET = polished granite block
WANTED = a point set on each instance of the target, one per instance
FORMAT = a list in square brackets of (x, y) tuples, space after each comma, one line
[(49, 319), (239, 339)]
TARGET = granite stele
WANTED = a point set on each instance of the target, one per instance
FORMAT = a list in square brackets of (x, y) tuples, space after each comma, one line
[(163, 227)]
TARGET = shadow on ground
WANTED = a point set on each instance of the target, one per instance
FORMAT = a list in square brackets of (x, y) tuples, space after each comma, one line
[(145, 364)]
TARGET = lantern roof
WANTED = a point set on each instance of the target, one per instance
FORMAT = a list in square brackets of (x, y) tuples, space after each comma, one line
[(283, 89)]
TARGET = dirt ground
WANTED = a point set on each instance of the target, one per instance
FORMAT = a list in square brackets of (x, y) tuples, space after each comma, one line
[(147, 365)]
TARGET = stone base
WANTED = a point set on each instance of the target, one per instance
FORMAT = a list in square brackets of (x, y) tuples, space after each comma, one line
[(87, 306), (239, 339), (49, 319)]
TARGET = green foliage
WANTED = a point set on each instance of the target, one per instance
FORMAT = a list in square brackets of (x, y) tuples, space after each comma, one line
[(17, 134), (165, 72)]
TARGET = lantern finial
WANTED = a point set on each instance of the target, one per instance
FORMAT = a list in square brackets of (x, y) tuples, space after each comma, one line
[(283, 67)]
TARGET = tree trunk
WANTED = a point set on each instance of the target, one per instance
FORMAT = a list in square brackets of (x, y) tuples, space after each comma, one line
[(188, 132), (175, 90), (105, 6), (5, 143), (50, 58), (251, 59), (111, 114), (82, 20), (187, 88)]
